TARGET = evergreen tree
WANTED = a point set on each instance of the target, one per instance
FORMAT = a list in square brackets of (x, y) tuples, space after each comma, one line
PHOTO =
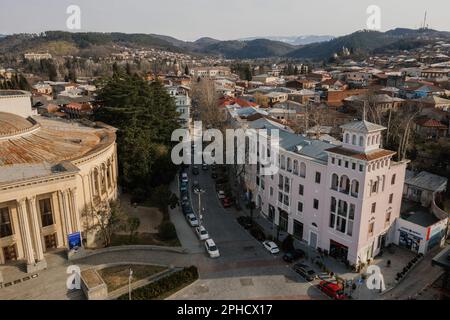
[(145, 116)]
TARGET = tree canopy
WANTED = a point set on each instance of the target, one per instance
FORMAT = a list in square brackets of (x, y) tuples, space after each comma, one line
[(145, 116)]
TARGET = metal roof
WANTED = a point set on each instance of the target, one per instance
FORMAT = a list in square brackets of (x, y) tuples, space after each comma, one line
[(362, 126), (425, 180)]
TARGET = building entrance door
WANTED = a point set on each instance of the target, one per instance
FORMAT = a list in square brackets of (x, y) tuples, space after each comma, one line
[(10, 253), (313, 239)]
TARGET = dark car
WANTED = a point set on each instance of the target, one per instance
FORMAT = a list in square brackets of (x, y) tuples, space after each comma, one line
[(305, 271), (245, 222), (204, 167), (187, 209), (195, 171), (293, 255)]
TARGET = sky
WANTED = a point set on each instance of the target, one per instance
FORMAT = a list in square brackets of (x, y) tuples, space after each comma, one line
[(220, 19)]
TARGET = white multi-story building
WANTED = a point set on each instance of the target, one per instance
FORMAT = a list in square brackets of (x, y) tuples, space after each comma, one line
[(343, 199)]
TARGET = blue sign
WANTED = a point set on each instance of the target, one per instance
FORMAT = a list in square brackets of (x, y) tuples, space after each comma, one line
[(74, 240)]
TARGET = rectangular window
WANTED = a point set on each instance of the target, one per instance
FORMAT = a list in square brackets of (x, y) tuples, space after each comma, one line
[(271, 191), (339, 162), (391, 198), (346, 164), (280, 197), (286, 185), (332, 220), (374, 207), (393, 179), (353, 166), (46, 212), (388, 218), (371, 226), (301, 189), (300, 207), (318, 177), (5, 223), (350, 228), (361, 168), (333, 160), (286, 200), (316, 204)]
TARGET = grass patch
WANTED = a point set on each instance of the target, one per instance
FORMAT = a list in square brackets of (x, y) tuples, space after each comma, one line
[(117, 277), (143, 239), (166, 286)]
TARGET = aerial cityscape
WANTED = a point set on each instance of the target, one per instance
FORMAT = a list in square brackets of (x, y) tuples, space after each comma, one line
[(216, 160)]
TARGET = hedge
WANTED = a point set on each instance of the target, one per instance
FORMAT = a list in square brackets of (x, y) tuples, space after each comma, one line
[(160, 288)]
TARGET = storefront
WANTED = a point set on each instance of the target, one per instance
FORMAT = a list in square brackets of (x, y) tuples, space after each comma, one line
[(419, 238), (338, 251)]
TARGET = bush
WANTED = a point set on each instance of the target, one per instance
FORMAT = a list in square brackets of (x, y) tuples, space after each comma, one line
[(165, 285), (167, 231)]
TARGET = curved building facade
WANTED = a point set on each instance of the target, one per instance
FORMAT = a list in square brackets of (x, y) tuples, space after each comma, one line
[(51, 170)]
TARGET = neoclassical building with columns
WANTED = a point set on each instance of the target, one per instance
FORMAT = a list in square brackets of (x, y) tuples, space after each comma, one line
[(51, 170)]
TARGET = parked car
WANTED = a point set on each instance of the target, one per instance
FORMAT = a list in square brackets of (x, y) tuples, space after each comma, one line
[(192, 219), (221, 194), (184, 200), (293, 255), (184, 177), (227, 202), (333, 290), (244, 221), (211, 248), (305, 271), (195, 171), (257, 233), (201, 232), (187, 209), (271, 247), (183, 187)]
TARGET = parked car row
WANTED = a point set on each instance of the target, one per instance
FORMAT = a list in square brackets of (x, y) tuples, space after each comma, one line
[(191, 218)]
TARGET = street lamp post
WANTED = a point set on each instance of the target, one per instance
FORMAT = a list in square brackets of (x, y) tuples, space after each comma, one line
[(199, 192), (130, 277)]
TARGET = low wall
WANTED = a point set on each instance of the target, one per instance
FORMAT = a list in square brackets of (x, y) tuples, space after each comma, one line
[(81, 254)]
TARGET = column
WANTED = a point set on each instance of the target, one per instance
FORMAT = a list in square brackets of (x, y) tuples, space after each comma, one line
[(25, 231), (75, 211), (34, 219), (65, 209)]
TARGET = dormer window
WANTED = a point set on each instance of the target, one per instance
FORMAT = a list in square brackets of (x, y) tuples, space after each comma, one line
[(361, 141), (354, 139)]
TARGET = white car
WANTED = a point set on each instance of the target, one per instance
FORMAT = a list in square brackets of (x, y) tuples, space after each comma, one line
[(271, 247), (184, 177), (211, 248), (221, 194), (192, 219), (202, 234)]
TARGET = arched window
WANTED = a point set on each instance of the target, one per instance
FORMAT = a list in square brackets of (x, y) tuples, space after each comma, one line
[(373, 140), (347, 138), (355, 188), (303, 170), (289, 164), (295, 167), (368, 141), (378, 139), (334, 181), (361, 141), (344, 184), (354, 139)]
